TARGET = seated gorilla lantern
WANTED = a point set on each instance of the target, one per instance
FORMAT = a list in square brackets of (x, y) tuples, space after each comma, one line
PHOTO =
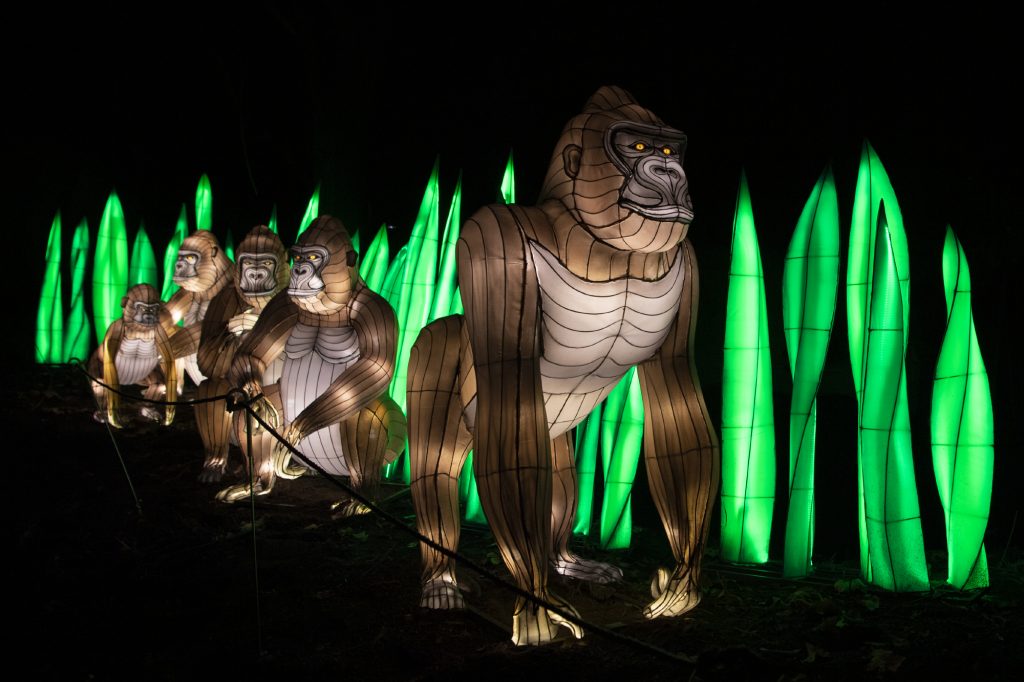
[(338, 342), (561, 299)]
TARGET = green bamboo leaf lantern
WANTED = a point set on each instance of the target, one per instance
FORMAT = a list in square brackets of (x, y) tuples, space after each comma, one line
[(447, 281), (588, 434), (373, 266), (110, 267), (896, 558), (78, 331), (171, 255), (312, 212), (50, 315), (142, 265), (204, 204), (963, 444), (229, 246), (748, 425), (508, 182), (469, 492), (872, 190), (810, 282), (354, 238), (391, 290), (622, 433), (272, 224)]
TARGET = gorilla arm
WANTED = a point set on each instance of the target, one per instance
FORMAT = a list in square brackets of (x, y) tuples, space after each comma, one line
[(368, 377), (217, 344), (681, 452), (263, 344)]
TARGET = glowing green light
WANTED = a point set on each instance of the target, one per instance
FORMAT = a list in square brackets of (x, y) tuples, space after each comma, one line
[(447, 281), (391, 290), (508, 182), (273, 220), (468, 491), (171, 255), (110, 267), (142, 266), (810, 281), (373, 266), (587, 437), (748, 435), (354, 237), (204, 204), (963, 448), (229, 246), (50, 316), (892, 519), (312, 211), (77, 331), (622, 433)]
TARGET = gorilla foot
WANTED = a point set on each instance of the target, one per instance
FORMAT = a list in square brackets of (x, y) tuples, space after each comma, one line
[(574, 566), (441, 593), (533, 625), (348, 508), (674, 593), (241, 492), (150, 414), (99, 416), (213, 470)]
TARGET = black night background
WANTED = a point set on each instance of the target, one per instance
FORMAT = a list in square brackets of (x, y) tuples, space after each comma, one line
[(270, 100)]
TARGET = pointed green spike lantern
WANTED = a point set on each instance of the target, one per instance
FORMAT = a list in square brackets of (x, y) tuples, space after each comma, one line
[(810, 282), (171, 254), (312, 211), (110, 267), (373, 265), (963, 444), (355, 242), (50, 314), (273, 220), (748, 436), (447, 280), (508, 182), (622, 432), (588, 434), (204, 204), (229, 246), (142, 265), (78, 330)]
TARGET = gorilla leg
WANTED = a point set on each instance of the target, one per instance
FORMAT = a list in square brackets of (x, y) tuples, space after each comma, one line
[(214, 424), (564, 491), (438, 445), (260, 463), (95, 368), (154, 389), (370, 439)]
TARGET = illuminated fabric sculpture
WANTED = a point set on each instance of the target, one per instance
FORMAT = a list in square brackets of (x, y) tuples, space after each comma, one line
[(171, 255), (337, 340), (961, 428), (77, 332), (602, 254), (204, 204), (136, 350), (142, 264), (202, 270), (50, 315), (312, 211), (810, 280), (109, 267), (748, 424), (260, 273), (878, 315)]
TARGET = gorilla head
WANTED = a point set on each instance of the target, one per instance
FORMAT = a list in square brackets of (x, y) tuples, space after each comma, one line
[(262, 265), (618, 169), (201, 264), (323, 274)]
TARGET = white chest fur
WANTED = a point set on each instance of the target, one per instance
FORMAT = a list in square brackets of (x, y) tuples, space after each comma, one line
[(136, 358), (593, 332), (313, 358)]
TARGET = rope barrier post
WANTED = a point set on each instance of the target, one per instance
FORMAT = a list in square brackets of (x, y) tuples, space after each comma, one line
[(252, 505)]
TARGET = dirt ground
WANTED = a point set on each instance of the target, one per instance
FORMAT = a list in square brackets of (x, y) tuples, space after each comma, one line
[(179, 586)]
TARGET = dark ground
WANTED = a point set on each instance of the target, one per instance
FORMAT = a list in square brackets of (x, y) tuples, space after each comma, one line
[(106, 591)]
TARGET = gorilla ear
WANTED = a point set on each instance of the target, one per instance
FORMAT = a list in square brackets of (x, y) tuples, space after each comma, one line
[(571, 159), (124, 301), (213, 252), (351, 258)]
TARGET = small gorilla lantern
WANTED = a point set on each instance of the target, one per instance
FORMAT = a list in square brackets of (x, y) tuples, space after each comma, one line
[(136, 351), (561, 299), (202, 270), (260, 273), (338, 342)]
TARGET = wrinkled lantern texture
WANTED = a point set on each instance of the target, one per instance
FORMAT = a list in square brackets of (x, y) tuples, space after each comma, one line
[(963, 445), (625, 282), (337, 341)]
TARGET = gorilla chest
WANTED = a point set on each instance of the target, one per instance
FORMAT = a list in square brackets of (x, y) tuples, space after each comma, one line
[(313, 358), (593, 332), (135, 359), (196, 311)]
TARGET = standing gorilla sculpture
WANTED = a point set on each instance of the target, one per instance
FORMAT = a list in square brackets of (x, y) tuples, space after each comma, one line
[(202, 270), (561, 299), (260, 273), (136, 350), (338, 341)]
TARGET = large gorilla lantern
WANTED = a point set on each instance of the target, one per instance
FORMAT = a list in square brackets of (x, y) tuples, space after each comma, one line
[(561, 299), (337, 339)]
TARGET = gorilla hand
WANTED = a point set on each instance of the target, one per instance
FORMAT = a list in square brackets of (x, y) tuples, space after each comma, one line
[(242, 322), (282, 454)]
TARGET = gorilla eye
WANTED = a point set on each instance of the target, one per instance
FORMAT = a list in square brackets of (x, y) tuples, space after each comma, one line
[(190, 259), (268, 263), (639, 146), (313, 256), (666, 151)]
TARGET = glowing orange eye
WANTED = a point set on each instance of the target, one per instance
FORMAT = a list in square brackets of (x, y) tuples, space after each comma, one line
[(639, 146), (666, 150), (313, 256), (190, 259)]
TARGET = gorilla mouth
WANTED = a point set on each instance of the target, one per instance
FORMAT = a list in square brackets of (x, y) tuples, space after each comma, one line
[(303, 292), (662, 212)]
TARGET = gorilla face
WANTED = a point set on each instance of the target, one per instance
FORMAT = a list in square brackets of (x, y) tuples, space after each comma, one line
[(323, 272), (146, 313), (257, 272), (651, 160), (307, 268)]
